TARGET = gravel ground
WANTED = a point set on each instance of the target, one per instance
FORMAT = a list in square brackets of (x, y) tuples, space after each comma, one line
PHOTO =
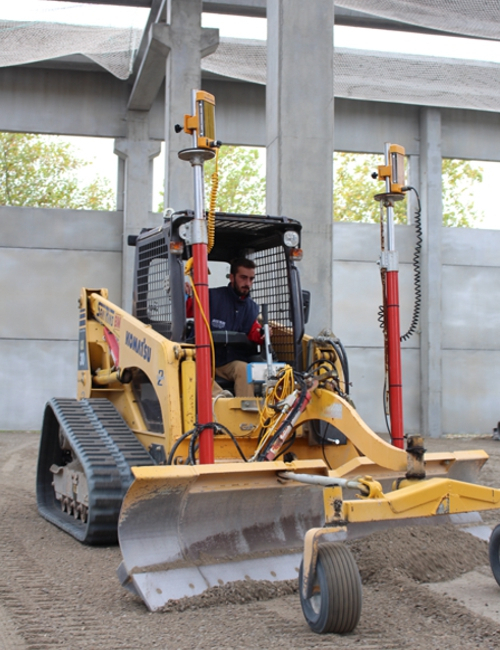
[(55, 593)]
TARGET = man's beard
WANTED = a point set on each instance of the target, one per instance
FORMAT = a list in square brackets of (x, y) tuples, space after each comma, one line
[(241, 293)]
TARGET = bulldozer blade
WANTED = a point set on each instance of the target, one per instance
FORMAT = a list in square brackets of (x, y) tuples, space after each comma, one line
[(185, 529)]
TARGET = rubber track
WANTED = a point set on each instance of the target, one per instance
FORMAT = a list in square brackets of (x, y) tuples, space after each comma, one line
[(106, 448)]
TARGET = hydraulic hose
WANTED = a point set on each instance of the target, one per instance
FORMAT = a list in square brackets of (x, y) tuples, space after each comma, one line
[(342, 355)]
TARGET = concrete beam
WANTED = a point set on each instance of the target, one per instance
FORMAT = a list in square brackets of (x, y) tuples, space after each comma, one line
[(156, 15), (152, 69), (73, 102), (251, 8)]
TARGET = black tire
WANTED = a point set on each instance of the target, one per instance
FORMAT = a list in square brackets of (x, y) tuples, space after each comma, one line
[(335, 605), (494, 552)]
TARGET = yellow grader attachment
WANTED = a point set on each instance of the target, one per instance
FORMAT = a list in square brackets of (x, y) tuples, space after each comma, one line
[(184, 529)]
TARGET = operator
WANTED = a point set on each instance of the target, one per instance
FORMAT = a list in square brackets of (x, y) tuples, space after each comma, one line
[(232, 309)]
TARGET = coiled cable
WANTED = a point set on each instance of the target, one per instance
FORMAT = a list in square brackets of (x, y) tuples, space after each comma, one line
[(416, 269), (213, 204), (416, 275)]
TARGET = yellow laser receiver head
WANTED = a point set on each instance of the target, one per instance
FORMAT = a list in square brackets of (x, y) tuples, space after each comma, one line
[(203, 122), (394, 169)]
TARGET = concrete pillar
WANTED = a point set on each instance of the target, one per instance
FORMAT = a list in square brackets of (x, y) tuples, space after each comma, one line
[(188, 43), (432, 219), (299, 120), (137, 152)]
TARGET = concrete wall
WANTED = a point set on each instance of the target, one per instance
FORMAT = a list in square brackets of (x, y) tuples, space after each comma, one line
[(470, 320), (46, 256)]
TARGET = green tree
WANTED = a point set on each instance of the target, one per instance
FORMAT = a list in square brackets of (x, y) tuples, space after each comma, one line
[(354, 190), (242, 182), (39, 172), (459, 176)]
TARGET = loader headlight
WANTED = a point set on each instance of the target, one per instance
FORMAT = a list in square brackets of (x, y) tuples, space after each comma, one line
[(291, 238)]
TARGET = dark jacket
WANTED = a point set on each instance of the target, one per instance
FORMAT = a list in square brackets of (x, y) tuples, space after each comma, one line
[(228, 311)]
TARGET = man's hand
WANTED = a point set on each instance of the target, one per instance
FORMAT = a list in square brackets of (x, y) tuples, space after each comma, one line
[(256, 333)]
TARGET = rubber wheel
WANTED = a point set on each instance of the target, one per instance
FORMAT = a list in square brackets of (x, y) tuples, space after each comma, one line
[(335, 605), (494, 551)]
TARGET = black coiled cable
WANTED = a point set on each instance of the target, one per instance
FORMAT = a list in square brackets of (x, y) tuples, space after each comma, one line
[(416, 275), (416, 269)]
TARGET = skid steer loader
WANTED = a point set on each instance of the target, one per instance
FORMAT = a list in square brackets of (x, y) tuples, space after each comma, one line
[(203, 491)]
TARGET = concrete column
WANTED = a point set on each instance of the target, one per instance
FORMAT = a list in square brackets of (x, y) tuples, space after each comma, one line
[(188, 43), (137, 152), (432, 219), (299, 120)]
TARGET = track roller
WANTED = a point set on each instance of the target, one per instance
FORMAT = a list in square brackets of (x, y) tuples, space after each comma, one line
[(335, 605)]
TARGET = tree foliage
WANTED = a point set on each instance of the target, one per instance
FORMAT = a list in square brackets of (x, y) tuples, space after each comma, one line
[(39, 172), (242, 182), (459, 176), (354, 190)]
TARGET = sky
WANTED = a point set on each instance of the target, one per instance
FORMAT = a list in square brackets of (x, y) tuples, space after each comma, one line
[(100, 151)]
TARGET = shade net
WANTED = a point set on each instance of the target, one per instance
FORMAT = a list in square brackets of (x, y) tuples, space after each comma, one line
[(51, 30), (364, 75)]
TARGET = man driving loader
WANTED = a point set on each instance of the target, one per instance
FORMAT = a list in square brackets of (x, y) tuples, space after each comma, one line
[(232, 309)]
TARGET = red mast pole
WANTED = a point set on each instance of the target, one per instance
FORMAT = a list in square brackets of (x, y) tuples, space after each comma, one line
[(203, 353), (391, 262), (199, 238), (394, 359)]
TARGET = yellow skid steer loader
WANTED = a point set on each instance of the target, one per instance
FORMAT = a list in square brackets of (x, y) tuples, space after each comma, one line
[(203, 491)]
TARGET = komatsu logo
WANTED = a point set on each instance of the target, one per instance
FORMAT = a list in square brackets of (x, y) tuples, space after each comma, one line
[(105, 314), (141, 347)]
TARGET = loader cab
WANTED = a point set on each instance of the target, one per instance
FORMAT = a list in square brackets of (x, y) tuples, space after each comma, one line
[(273, 243)]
